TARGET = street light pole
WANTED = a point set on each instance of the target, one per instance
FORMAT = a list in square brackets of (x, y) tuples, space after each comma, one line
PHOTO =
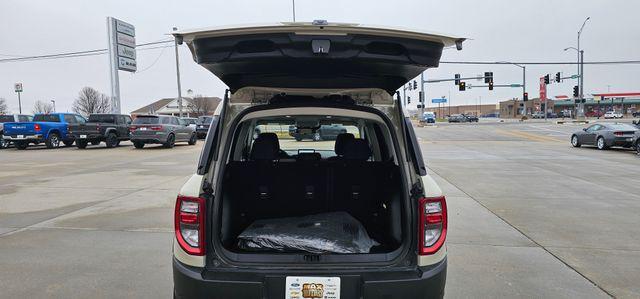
[(54, 105), (178, 74), (524, 85), (581, 70)]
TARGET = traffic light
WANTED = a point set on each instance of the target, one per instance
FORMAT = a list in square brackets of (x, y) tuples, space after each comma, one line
[(462, 86), (415, 84), (408, 100), (525, 96), (546, 79), (576, 92), (457, 79), (420, 97), (491, 85), (558, 78), (488, 77)]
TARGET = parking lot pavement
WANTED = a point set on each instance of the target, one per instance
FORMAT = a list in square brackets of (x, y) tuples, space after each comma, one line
[(533, 217), (89, 223), (529, 215)]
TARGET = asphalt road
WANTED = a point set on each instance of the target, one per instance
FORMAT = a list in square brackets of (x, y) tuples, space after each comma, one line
[(533, 217), (529, 216)]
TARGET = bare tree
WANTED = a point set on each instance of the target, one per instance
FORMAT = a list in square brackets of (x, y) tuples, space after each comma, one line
[(42, 107), (200, 105), (91, 101), (3, 106)]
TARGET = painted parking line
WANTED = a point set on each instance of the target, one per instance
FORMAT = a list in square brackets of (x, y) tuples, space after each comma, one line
[(528, 136)]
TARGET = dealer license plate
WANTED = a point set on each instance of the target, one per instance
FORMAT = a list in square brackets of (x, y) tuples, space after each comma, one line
[(298, 287)]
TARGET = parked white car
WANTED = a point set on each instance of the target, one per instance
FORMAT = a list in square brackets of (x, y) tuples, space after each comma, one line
[(613, 114)]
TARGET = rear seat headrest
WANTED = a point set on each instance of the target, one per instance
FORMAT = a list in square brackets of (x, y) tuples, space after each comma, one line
[(357, 149), (341, 141), (265, 147)]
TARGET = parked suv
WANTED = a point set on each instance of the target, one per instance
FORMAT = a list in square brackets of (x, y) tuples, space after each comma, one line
[(107, 128), (7, 118), (268, 217), (165, 130)]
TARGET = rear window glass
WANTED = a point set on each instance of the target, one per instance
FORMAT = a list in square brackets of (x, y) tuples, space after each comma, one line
[(205, 120), (47, 117), (6, 118), (294, 139), (97, 118), (145, 120)]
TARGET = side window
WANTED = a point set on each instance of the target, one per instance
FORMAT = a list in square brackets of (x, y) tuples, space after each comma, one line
[(414, 148), (80, 119), (175, 121), (210, 145), (71, 119), (127, 120), (165, 120), (181, 121)]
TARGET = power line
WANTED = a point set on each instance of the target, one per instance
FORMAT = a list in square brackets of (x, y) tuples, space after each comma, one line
[(77, 53)]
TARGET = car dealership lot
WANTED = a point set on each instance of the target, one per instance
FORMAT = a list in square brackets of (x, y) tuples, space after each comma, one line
[(530, 216)]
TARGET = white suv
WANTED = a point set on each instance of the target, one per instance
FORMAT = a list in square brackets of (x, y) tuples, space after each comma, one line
[(266, 216)]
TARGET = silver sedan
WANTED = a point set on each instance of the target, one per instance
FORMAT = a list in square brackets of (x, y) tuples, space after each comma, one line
[(605, 135)]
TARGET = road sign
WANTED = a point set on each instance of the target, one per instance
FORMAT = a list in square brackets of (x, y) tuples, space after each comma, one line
[(543, 89), (17, 87), (438, 101), (123, 44)]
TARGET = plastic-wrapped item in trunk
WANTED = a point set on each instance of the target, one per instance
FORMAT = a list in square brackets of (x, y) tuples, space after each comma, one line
[(336, 232)]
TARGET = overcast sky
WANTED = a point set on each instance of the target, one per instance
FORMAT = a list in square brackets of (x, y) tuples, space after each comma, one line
[(500, 30)]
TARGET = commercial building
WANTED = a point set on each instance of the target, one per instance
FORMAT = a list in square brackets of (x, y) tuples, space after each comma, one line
[(478, 110), (191, 107)]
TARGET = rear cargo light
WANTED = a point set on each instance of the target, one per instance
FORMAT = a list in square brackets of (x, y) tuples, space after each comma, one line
[(189, 224), (618, 133), (37, 127), (433, 224)]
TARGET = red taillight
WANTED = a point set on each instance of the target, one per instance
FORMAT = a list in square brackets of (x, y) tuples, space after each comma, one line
[(189, 224), (156, 128), (433, 224), (132, 128), (37, 127), (618, 133)]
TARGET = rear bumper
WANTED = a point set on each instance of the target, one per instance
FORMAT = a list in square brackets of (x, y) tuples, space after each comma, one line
[(622, 141), (190, 282), (150, 139), (28, 138), (79, 136)]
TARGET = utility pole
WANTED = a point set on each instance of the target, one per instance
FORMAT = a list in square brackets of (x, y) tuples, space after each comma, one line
[(178, 74), (423, 99), (294, 10), (19, 103), (581, 71)]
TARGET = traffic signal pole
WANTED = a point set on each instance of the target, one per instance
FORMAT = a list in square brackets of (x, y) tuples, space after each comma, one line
[(421, 100)]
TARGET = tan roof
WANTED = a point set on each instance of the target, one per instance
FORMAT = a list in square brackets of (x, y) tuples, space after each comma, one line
[(153, 107), (159, 104)]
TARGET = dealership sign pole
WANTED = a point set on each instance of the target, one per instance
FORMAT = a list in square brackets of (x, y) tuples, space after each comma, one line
[(122, 55), (18, 88), (543, 96)]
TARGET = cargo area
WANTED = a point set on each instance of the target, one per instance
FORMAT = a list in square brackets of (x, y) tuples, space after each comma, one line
[(337, 196)]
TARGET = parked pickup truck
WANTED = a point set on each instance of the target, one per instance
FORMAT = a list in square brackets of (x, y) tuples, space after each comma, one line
[(10, 118), (107, 128), (48, 128)]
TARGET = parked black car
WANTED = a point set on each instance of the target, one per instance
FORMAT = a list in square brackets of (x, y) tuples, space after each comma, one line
[(462, 118), (107, 128), (605, 135), (324, 132), (202, 126)]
